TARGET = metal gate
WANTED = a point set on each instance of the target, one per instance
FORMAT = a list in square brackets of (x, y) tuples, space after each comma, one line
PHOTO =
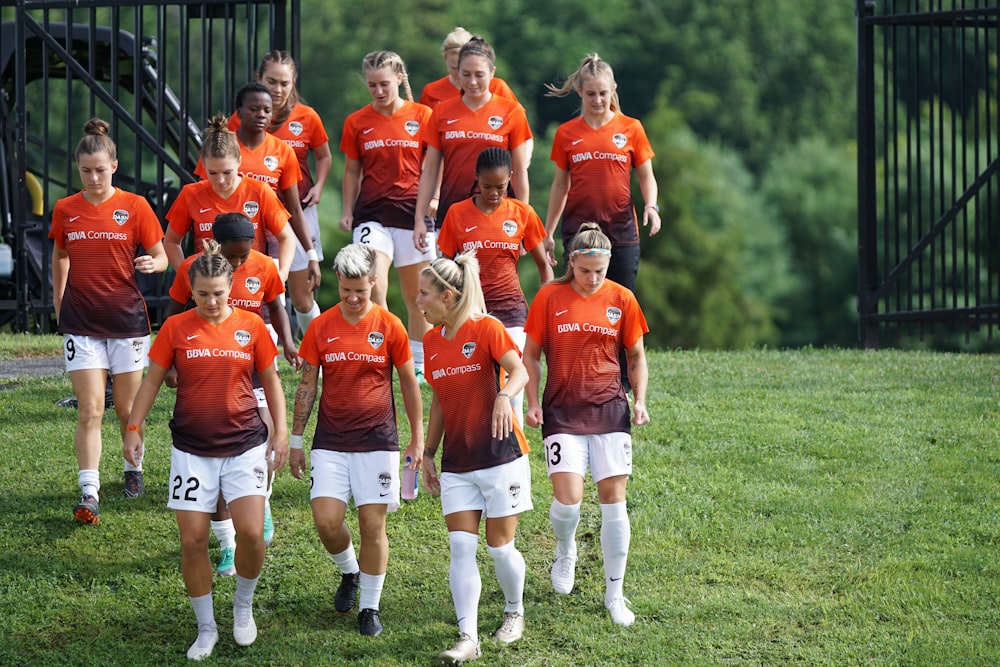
[(928, 161), (155, 70)]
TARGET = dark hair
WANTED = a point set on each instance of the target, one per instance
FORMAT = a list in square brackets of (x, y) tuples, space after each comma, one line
[(281, 58), (96, 140), (477, 46), (233, 227), (494, 157), (249, 89)]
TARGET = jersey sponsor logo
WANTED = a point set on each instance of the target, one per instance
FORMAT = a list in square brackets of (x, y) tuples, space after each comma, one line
[(411, 127), (468, 349), (205, 227), (391, 143), (96, 236), (252, 284), (495, 122), (73, 218), (509, 227), (451, 135), (295, 127), (619, 140), (614, 314), (271, 162), (242, 336), (204, 210), (121, 216), (597, 155), (439, 373), (250, 208), (470, 246), (375, 339)]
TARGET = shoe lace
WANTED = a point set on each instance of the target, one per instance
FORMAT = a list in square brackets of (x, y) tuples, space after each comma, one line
[(509, 621), (242, 613)]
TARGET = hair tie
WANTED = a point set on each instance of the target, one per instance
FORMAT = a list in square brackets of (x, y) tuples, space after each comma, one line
[(602, 252), (445, 282)]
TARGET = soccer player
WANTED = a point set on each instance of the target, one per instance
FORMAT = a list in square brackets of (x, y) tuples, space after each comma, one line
[(99, 308), (218, 445), (581, 321), (495, 227), (355, 451), (449, 87), (383, 153), (484, 467)]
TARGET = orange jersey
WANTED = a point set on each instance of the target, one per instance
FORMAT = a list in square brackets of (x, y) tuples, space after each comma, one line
[(391, 152), (600, 164), (443, 89), (496, 240), (102, 298), (255, 283), (215, 413), (357, 412), (581, 337), (461, 134), (465, 374), (272, 162), (197, 206), (303, 131)]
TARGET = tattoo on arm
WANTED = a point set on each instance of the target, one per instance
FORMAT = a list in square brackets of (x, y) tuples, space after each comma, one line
[(305, 398)]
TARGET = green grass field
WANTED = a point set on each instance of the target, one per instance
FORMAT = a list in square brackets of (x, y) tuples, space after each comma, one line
[(810, 507)]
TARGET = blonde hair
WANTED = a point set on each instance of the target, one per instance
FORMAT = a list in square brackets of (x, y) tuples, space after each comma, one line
[(354, 261), (96, 140), (455, 39), (461, 277), (591, 66), (589, 239), (211, 263), (379, 59), (219, 141)]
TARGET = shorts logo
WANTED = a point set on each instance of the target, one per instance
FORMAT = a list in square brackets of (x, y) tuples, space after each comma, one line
[(261, 476), (509, 227), (137, 347), (411, 127), (515, 494), (375, 339), (614, 314), (495, 122), (271, 162), (468, 349), (295, 127), (250, 208), (384, 480), (242, 337), (120, 216), (253, 284), (619, 140)]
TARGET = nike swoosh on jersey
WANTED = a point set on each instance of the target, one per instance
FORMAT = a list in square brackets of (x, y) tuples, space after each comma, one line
[(434, 356), (205, 210), (74, 217), (193, 337), (367, 131), (450, 121), (469, 229), (330, 340), (576, 141), (561, 312)]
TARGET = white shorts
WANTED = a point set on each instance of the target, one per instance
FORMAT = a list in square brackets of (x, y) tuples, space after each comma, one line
[(395, 243), (117, 355), (499, 491), (195, 480), (606, 454), (299, 261), (371, 478)]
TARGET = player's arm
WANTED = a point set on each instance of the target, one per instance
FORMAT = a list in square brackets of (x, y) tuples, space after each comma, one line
[(141, 405), (430, 177), (638, 375), (60, 275), (279, 320), (520, 157), (533, 364), (172, 246), (649, 190), (324, 161), (435, 431), (413, 403), (305, 398), (350, 188), (557, 203), (277, 447), (502, 422)]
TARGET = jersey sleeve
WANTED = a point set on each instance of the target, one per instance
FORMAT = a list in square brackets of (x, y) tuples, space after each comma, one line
[(233, 124), (150, 231), (180, 290), (273, 287), (56, 227), (499, 340), (635, 322), (430, 134), (446, 235), (534, 231), (535, 325), (317, 131), (178, 216), (521, 131), (401, 352), (558, 153), (308, 350), (643, 151), (162, 349), (348, 142), (199, 170)]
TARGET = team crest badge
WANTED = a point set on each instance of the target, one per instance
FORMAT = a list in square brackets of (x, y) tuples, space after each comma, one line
[(295, 127), (495, 122), (619, 140), (411, 127), (515, 492), (509, 227), (384, 480), (120, 216), (271, 162), (375, 339), (468, 349), (614, 314), (261, 476), (250, 208), (253, 284), (242, 337)]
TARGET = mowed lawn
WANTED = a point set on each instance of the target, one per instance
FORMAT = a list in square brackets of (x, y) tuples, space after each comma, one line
[(788, 507)]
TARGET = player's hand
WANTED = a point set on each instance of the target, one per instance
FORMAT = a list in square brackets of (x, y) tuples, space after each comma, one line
[(533, 417), (315, 275), (132, 448), (640, 415), (297, 463), (549, 245), (431, 481)]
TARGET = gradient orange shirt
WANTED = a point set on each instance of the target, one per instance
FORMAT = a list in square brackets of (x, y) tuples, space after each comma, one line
[(465, 374), (600, 164), (391, 151), (496, 240), (272, 162), (581, 337), (303, 131), (461, 134), (215, 413), (197, 206), (255, 283), (438, 91), (102, 298), (357, 412)]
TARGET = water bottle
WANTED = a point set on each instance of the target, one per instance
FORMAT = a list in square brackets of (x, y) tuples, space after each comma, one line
[(410, 482)]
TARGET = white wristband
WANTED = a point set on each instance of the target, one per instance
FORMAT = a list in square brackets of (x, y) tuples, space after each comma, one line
[(312, 255), (295, 441)]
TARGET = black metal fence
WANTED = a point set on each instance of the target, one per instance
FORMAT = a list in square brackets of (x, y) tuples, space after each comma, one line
[(928, 162), (155, 70)]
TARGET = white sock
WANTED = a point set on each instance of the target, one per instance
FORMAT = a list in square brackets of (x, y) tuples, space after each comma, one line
[(306, 318), (346, 560), (245, 589), (133, 468), (89, 482), (615, 535), (203, 610), (509, 566), (371, 590), (225, 532), (466, 584), (417, 350), (565, 519)]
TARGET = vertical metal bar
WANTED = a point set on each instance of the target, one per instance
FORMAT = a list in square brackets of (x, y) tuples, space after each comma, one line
[(867, 233)]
